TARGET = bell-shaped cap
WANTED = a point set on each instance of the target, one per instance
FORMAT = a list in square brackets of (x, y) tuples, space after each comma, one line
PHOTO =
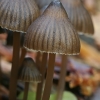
[(28, 71), (79, 16), (52, 32), (17, 15)]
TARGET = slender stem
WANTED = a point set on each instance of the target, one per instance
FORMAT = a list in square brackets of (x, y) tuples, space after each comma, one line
[(23, 53), (38, 59), (0, 68), (26, 91), (42, 71), (61, 84), (49, 78), (15, 66)]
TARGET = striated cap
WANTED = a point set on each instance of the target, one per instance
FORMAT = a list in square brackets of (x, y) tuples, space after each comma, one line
[(17, 15), (28, 71), (79, 16), (52, 32)]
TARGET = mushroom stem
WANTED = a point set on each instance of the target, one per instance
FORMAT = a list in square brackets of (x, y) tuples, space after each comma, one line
[(38, 60), (49, 77), (23, 53), (15, 66), (0, 68), (42, 71), (61, 84), (26, 90)]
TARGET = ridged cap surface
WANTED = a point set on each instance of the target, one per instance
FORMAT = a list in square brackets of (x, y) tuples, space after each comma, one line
[(79, 16), (52, 32), (17, 15), (28, 71)]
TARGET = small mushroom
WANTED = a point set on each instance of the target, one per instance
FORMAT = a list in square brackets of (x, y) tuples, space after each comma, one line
[(52, 33), (82, 22), (28, 72), (17, 15)]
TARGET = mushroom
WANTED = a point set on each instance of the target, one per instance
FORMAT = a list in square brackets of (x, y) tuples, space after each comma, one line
[(74, 12), (82, 22), (17, 15), (28, 72), (52, 33)]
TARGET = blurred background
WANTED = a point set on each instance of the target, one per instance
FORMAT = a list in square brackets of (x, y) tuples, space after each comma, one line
[(82, 72)]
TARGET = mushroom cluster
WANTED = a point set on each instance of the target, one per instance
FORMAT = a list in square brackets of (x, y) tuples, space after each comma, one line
[(54, 32)]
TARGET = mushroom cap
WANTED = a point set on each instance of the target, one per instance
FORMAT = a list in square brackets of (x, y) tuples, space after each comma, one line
[(17, 15), (28, 71), (52, 32), (79, 16)]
